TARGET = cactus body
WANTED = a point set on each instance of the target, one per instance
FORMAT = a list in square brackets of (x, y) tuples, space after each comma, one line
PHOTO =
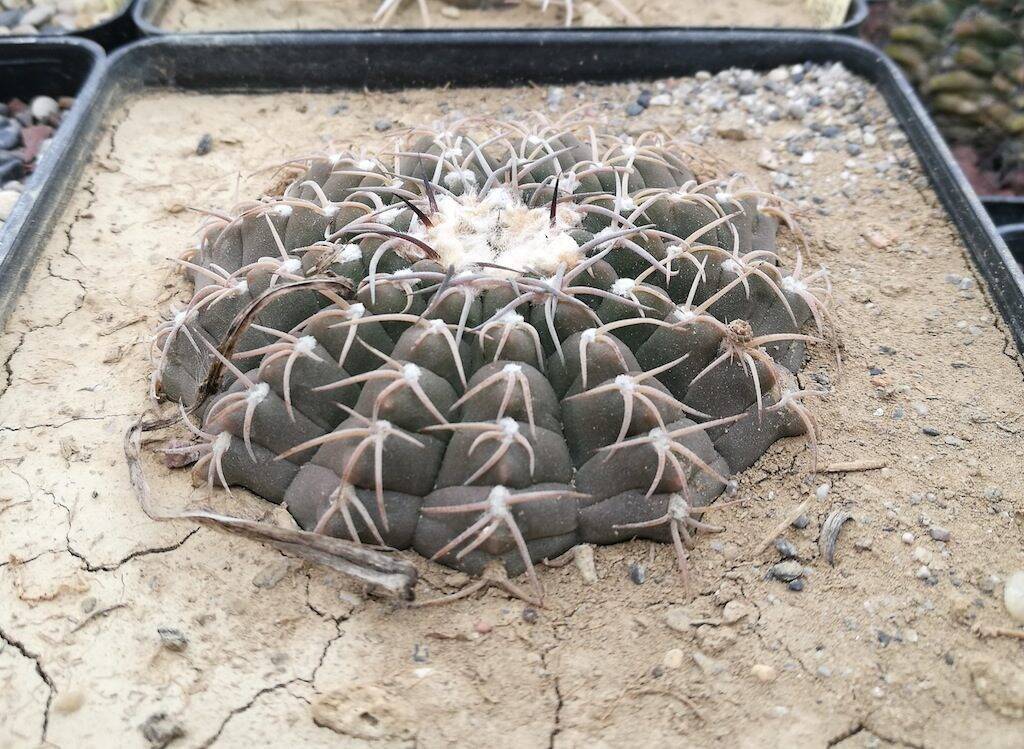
[(553, 337), (967, 60)]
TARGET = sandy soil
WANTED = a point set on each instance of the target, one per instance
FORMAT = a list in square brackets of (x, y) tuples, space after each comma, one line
[(233, 15), (116, 630)]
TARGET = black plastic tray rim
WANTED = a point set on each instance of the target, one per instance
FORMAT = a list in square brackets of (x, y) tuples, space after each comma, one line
[(44, 193), (147, 14), (390, 60), (1004, 209)]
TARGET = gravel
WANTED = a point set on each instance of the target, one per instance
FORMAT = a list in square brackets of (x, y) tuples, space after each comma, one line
[(31, 17), (25, 132)]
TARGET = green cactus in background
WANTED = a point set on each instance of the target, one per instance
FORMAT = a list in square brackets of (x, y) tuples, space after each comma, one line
[(967, 61)]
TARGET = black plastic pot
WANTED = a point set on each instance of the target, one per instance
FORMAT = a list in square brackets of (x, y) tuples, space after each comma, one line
[(1003, 210), (30, 67), (113, 33), (1013, 235), (390, 60), (149, 13)]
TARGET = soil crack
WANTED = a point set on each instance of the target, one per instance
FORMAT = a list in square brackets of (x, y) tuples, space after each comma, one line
[(310, 680), (9, 641)]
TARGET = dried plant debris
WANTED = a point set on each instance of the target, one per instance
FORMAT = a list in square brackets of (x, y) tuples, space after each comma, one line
[(493, 342)]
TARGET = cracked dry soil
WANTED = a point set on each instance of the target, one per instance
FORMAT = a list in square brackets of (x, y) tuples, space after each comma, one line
[(120, 631)]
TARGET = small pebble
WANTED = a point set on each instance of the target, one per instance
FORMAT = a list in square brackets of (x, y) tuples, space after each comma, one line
[(923, 573), (382, 126), (69, 701), (708, 665), (787, 571), (530, 615), (1013, 595), (801, 522), (763, 672), (938, 533), (637, 573), (172, 639), (796, 585), (10, 133), (205, 145), (908, 538), (678, 619), (160, 729), (634, 110), (673, 659), (7, 200), (583, 557), (421, 653), (44, 108), (36, 17), (785, 548), (931, 431)]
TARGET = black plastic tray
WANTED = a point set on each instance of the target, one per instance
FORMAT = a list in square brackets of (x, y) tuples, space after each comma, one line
[(390, 60), (148, 14), (1003, 210), (36, 66), (115, 32), (1013, 235)]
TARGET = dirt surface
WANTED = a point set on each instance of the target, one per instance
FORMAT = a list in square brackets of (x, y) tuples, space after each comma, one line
[(233, 15), (117, 630)]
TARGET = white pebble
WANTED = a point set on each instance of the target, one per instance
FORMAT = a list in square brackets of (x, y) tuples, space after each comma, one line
[(763, 672), (43, 108), (7, 200), (38, 15), (923, 573), (1013, 595), (908, 538), (584, 559), (673, 659), (822, 491)]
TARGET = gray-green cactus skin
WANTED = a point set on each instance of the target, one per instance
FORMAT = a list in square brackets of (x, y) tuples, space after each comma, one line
[(554, 336), (967, 60)]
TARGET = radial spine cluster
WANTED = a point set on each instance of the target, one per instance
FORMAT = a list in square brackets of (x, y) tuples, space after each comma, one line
[(554, 335)]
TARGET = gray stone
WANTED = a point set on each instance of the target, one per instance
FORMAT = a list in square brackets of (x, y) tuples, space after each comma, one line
[(787, 571)]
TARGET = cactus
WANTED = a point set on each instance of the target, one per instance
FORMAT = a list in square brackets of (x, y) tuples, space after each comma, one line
[(618, 8), (967, 61), (498, 342)]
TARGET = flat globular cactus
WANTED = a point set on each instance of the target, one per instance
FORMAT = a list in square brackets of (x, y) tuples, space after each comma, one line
[(534, 336), (618, 9)]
